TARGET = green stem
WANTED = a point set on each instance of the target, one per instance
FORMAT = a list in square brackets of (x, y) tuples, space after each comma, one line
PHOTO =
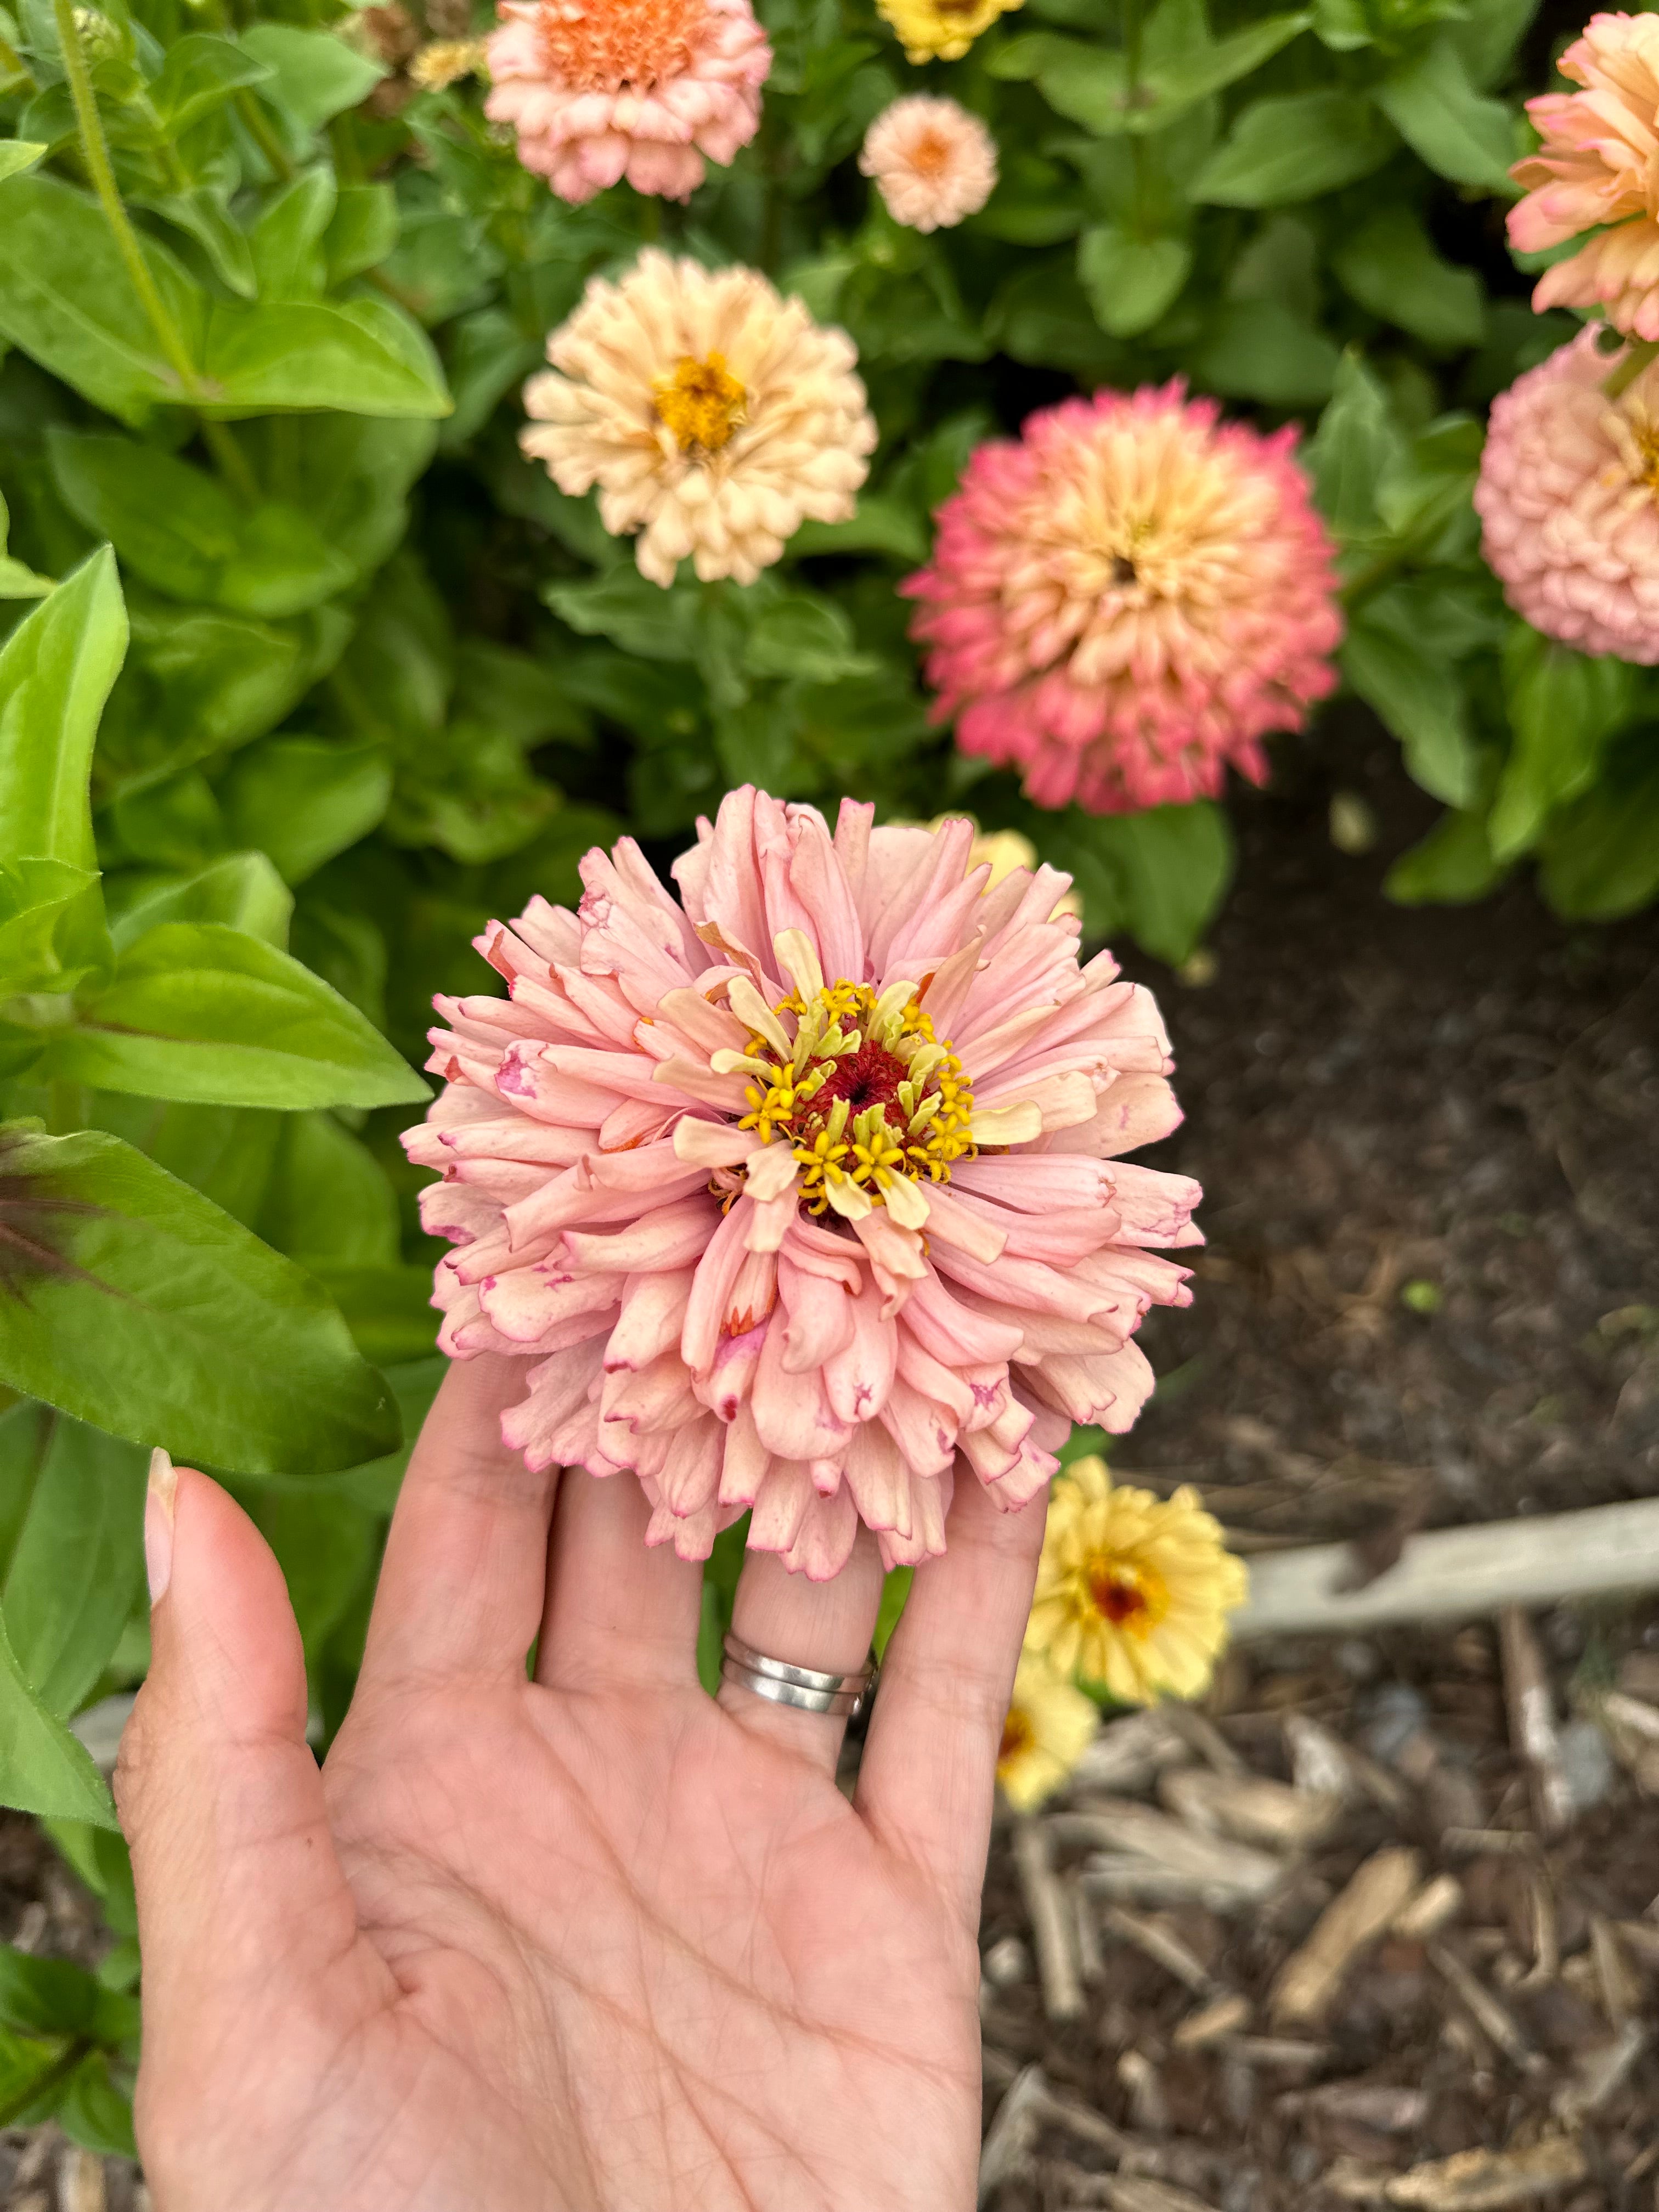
[(1133, 19), (1630, 369), (264, 137), (95, 148)]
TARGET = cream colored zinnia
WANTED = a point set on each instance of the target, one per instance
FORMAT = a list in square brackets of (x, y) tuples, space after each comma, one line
[(932, 162), (1050, 1724), (941, 30), (713, 416), (1133, 1591)]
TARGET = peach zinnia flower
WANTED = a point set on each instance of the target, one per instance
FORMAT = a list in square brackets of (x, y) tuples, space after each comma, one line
[(713, 416), (1597, 167), (601, 89), (803, 1194), (934, 163), (1568, 499), (1127, 599)]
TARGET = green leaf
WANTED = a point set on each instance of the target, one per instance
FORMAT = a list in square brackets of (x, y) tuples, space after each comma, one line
[(1294, 147), (388, 1310), (1181, 65), (329, 1203), (17, 154), (1162, 874), (180, 530), (66, 298), (288, 257), (155, 1316), (1601, 855), (1257, 350), (365, 357), (202, 213), (46, 1996), (34, 2072), (201, 1012), (634, 613), (880, 526), (1452, 866), (375, 1485), (313, 75), (1440, 116), (17, 582), (1564, 708), (243, 891), (35, 898), (1488, 35), (1355, 442), (56, 671), (42, 1768), (1130, 282), (1341, 25), (201, 72), (78, 1564), (324, 1545), (301, 800), (95, 2112), (1418, 692), (806, 637), (363, 231), (1391, 267)]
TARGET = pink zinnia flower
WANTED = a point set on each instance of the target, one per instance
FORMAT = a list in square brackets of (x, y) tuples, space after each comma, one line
[(600, 89), (1127, 599), (934, 163), (1566, 501), (1596, 166), (803, 1194)]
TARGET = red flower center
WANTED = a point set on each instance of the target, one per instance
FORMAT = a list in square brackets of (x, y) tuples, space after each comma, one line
[(1119, 1596), (869, 1076)]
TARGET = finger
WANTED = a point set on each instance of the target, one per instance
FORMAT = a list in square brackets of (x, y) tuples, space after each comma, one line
[(824, 1625), (928, 1773), (464, 1576), (241, 1895), (616, 1612)]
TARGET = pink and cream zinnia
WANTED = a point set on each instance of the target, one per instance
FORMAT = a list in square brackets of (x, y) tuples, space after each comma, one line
[(805, 1192)]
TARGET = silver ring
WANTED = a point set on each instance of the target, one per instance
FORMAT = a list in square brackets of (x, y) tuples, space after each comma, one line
[(803, 1687)]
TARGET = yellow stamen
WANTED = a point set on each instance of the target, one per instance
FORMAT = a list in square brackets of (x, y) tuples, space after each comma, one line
[(702, 403)]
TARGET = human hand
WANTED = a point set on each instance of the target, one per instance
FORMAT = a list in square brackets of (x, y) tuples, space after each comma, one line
[(591, 1942)]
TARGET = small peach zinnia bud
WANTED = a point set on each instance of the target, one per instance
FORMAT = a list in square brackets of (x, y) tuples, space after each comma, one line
[(1595, 170), (1568, 499), (804, 1191), (941, 30), (714, 416), (1127, 599), (934, 163), (601, 89)]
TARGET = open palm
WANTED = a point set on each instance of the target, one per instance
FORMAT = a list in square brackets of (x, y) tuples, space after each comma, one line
[(589, 1940)]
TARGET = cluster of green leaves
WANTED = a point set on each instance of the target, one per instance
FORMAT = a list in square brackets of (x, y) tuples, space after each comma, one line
[(306, 670)]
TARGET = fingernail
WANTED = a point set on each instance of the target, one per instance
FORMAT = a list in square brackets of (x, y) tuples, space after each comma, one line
[(158, 1523)]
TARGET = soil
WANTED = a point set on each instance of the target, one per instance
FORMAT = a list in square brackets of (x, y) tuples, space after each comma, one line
[(1431, 1294)]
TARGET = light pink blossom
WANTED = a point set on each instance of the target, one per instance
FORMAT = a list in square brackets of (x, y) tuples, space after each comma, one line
[(804, 1193), (601, 89), (934, 163), (1127, 599), (1598, 166), (1568, 499)]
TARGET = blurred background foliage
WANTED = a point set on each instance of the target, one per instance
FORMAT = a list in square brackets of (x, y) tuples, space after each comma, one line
[(305, 672)]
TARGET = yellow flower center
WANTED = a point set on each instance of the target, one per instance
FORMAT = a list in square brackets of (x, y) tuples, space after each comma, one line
[(1131, 1597), (702, 403), (866, 1092), (1018, 1735)]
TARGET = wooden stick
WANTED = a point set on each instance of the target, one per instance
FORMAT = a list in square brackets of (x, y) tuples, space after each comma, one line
[(1350, 1924), (1053, 1923), (1458, 1574), (1533, 1736)]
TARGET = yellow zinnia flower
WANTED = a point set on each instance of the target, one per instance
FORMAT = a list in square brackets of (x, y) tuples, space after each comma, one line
[(1133, 1591), (941, 30), (1050, 1725)]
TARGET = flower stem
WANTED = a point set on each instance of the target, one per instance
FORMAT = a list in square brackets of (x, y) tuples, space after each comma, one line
[(95, 148), (1630, 369), (264, 137)]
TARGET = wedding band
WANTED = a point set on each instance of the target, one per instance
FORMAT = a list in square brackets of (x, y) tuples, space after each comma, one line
[(807, 1691)]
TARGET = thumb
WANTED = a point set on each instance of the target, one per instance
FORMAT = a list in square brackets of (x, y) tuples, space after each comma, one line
[(238, 1884)]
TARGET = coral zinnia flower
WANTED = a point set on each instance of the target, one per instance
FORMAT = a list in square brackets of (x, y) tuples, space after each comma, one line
[(805, 1193), (601, 89), (934, 163), (713, 416), (1132, 1590), (1568, 498), (941, 30), (1596, 166), (1128, 599), (1050, 1724)]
